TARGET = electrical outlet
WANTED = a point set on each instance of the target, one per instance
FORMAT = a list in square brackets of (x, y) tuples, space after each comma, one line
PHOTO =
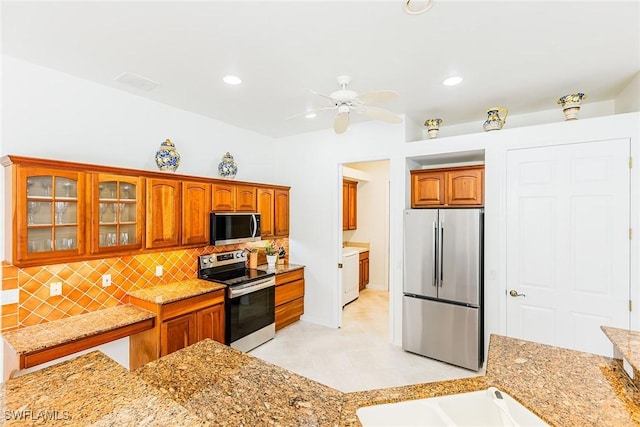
[(159, 270), (55, 289), (106, 280)]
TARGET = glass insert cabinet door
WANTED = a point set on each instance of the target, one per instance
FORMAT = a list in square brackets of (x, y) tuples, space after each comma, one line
[(50, 216), (116, 212)]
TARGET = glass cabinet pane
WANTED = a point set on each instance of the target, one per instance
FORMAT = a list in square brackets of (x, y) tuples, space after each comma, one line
[(39, 240), (51, 212), (117, 210)]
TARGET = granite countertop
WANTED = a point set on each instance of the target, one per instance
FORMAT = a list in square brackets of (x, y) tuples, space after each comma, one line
[(627, 343), (227, 387), (91, 389), (50, 334), (223, 386), (563, 387), (281, 268), (171, 292)]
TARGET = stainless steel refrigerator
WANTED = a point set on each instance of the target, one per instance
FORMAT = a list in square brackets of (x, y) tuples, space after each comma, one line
[(443, 285)]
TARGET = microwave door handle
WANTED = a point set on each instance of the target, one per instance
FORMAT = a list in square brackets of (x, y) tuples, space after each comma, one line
[(254, 226)]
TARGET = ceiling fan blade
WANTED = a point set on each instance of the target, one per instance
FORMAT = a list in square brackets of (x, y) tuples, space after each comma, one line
[(317, 110), (377, 96), (381, 114), (341, 123), (320, 94)]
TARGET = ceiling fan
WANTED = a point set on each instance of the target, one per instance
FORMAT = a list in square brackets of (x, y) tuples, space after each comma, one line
[(347, 101)]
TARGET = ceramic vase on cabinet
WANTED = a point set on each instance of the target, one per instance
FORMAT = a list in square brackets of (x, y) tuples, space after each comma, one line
[(167, 158), (496, 118), (433, 127), (571, 105), (227, 168)]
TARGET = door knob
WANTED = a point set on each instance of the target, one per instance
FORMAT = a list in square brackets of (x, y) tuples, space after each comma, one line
[(516, 294)]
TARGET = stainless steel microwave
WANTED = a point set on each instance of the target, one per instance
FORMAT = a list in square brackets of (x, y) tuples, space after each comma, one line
[(230, 228)]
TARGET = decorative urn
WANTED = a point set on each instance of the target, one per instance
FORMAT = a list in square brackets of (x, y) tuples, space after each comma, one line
[(167, 158), (571, 105), (227, 168), (433, 127), (496, 118)]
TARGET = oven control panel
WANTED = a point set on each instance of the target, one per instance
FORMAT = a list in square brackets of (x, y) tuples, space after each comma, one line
[(223, 258)]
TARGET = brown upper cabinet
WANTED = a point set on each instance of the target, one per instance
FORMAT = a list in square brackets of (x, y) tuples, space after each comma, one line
[(59, 211), (246, 198), (196, 202), (224, 198), (281, 215), (273, 206), (349, 205), (117, 212), (234, 198), (45, 214), (460, 186), (266, 208), (163, 213)]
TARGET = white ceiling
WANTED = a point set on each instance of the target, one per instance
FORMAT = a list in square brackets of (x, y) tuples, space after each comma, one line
[(522, 55)]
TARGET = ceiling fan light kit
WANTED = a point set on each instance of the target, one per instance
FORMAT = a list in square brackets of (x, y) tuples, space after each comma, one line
[(346, 101)]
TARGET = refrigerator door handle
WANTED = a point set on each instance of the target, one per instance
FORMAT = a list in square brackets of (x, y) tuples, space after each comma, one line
[(440, 253), (434, 279)]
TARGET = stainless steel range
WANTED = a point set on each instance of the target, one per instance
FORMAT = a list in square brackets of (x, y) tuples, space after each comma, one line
[(250, 298)]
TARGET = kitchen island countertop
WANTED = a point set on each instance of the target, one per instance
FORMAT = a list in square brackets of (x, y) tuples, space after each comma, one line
[(222, 386)]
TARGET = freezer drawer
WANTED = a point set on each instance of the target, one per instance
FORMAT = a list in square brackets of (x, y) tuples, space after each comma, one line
[(442, 331)]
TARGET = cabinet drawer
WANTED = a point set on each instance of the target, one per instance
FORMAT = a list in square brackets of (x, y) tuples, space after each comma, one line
[(364, 255), (288, 313), (289, 292), (192, 304), (289, 276)]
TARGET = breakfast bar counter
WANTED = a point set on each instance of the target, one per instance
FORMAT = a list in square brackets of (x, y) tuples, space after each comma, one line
[(209, 383)]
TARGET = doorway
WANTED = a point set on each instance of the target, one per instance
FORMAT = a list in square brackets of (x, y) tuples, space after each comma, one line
[(365, 228)]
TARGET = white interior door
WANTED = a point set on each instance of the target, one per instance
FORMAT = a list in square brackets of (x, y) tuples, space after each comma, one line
[(568, 243)]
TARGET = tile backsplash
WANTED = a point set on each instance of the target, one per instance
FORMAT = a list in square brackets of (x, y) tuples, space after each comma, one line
[(82, 289)]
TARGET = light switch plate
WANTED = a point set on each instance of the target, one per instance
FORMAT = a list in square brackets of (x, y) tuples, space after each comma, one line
[(159, 270), (106, 280), (55, 289)]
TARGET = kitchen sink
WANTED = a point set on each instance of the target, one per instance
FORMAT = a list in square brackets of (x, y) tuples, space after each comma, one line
[(478, 408)]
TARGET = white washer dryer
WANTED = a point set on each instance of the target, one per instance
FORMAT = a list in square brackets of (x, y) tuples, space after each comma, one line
[(350, 275)]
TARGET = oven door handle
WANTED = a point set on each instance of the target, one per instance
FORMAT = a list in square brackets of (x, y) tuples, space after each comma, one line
[(251, 287)]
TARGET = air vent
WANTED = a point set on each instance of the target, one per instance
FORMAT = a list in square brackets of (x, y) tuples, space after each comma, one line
[(137, 81)]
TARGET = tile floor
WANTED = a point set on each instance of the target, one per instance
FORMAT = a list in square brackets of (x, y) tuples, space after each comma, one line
[(357, 356)]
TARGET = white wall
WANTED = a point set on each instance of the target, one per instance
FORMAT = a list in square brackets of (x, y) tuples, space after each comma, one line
[(49, 114), (314, 208), (315, 228), (628, 99), (373, 220)]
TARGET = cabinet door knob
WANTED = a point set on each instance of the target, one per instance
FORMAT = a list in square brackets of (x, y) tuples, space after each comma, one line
[(514, 293)]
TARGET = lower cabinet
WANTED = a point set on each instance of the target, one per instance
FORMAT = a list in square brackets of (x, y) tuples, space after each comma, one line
[(177, 333), (178, 325), (289, 297), (363, 280)]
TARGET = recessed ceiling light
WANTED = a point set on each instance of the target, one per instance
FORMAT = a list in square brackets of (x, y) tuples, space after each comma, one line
[(310, 115), (452, 81), (232, 80)]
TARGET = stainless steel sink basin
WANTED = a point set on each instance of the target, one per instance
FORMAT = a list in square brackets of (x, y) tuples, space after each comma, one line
[(478, 408)]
